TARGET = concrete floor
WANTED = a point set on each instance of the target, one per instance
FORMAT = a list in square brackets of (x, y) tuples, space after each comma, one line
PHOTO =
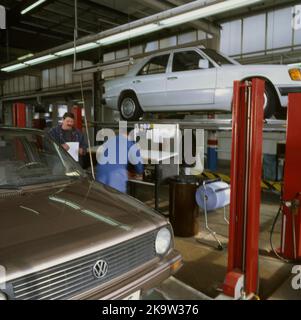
[(205, 267)]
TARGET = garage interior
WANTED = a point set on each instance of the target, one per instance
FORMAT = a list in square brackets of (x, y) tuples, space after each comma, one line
[(37, 94)]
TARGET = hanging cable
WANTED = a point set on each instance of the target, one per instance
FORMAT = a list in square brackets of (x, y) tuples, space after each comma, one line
[(87, 128), (75, 36)]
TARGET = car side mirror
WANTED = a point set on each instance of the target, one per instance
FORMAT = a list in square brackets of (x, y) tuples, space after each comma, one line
[(203, 64)]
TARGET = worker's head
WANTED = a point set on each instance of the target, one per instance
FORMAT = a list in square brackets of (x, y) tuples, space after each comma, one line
[(68, 121)]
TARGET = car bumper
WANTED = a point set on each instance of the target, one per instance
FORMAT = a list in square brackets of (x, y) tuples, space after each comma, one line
[(142, 279)]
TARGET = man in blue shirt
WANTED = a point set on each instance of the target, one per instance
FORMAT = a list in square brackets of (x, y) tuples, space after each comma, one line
[(118, 154)]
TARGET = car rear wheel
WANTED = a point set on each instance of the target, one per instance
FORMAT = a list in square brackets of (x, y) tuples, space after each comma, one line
[(129, 107), (272, 105), (270, 102)]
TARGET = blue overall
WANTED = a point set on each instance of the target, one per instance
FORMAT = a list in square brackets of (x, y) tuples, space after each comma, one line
[(115, 173)]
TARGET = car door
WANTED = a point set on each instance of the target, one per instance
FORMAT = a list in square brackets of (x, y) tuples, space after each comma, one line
[(190, 84), (150, 83)]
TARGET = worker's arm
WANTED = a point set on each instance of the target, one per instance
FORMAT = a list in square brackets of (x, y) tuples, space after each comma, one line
[(82, 144)]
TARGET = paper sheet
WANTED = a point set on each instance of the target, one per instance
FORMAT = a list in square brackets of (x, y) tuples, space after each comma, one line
[(74, 150)]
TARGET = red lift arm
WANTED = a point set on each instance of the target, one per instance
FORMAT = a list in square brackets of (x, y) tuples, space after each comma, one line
[(291, 221), (246, 166)]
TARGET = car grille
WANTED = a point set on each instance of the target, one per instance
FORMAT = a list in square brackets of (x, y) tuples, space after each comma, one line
[(76, 276)]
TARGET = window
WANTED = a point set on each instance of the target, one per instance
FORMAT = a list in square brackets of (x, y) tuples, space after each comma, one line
[(231, 37), (156, 65), (186, 61), (217, 57), (254, 41)]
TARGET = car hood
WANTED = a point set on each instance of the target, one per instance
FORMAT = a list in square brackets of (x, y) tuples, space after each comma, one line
[(48, 226)]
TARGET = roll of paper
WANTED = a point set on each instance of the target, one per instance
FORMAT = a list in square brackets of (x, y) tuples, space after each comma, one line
[(217, 195)]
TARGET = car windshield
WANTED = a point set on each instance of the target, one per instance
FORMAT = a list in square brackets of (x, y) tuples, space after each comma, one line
[(30, 158), (217, 57)]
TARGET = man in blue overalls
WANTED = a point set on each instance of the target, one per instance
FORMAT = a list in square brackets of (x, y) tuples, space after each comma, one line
[(119, 153)]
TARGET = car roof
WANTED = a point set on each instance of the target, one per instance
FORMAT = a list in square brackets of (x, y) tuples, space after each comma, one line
[(136, 67)]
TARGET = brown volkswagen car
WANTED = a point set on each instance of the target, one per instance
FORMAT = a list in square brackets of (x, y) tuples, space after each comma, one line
[(63, 236)]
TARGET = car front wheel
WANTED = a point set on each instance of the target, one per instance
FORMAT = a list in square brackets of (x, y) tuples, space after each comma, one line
[(129, 107)]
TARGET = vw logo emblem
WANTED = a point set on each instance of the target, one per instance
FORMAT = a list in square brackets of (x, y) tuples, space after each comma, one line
[(100, 269)]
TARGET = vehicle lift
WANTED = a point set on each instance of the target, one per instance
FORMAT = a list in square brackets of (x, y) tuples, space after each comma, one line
[(291, 197), (242, 278)]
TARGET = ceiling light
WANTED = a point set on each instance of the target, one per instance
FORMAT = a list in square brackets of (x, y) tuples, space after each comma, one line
[(129, 34), (206, 11), (84, 47), (40, 59), (29, 55), (32, 6), (14, 67)]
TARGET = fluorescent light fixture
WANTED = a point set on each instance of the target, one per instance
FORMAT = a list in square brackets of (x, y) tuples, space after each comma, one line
[(206, 11), (130, 34), (40, 59), (14, 67), (84, 47), (29, 55), (32, 6)]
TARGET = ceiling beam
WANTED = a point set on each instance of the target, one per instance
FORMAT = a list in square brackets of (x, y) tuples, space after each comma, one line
[(205, 26), (64, 24), (110, 10)]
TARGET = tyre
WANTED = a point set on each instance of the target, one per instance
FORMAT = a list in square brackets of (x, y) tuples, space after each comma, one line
[(271, 102), (129, 107)]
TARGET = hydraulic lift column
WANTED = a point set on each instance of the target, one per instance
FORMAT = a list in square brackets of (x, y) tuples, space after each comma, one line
[(19, 115), (246, 165), (77, 111), (291, 221)]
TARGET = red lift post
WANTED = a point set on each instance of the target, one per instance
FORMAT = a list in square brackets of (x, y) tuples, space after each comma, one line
[(19, 115), (77, 111), (291, 221), (246, 166)]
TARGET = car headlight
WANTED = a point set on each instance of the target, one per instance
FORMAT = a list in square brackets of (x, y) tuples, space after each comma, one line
[(2, 296), (295, 74), (163, 241)]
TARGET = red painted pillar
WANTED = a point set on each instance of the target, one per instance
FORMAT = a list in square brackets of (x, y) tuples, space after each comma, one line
[(19, 121), (291, 222), (246, 165), (19, 115), (77, 111)]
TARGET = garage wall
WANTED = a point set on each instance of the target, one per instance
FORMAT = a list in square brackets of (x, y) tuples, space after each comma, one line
[(21, 85), (58, 76), (274, 33), (63, 75)]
